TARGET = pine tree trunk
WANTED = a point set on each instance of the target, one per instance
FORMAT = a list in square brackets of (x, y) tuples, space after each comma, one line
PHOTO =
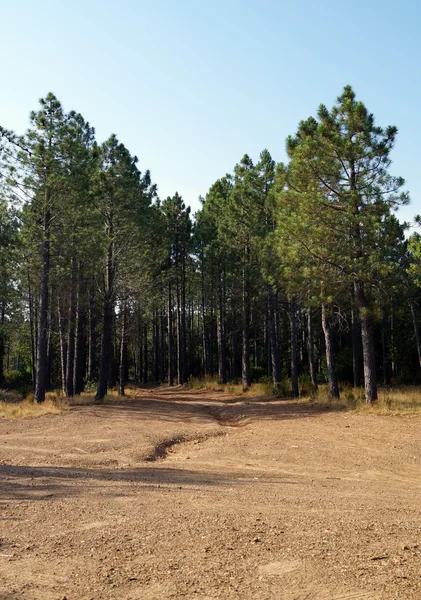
[(178, 328), (222, 358), (310, 342), (416, 329), (145, 355), (367, 337), (91, 337), (32, 328), (71, 330), (80, 338), (43, 308), (355, 353), (234, 348), (330, 356), (140, 348), (170, 339), (123, 349), (204, 344), (49, 353), (385, 353), (392, 340), (294, 352), (162, 349), (63, 346), (183, 325), (211, 341), (245, 318), (156, 348), (274, 343), (107, 324)]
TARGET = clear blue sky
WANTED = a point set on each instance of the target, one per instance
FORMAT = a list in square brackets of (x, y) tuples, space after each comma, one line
[(191, 86)]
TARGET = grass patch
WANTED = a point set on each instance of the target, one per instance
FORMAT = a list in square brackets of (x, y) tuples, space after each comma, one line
[(399, 400), (213, 385), (12, 407)]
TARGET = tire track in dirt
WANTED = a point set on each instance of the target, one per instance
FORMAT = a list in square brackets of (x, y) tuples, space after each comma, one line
[(165, 447)]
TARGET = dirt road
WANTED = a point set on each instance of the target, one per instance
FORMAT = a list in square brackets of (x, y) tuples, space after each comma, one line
[(178, 494)]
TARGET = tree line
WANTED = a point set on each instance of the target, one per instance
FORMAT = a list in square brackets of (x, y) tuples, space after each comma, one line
[(289, 273)]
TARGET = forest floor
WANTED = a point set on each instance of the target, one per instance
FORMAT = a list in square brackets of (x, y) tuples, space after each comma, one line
[(198, 494)]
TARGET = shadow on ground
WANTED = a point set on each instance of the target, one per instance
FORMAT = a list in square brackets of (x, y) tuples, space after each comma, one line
[(41, 483), (185, 409)]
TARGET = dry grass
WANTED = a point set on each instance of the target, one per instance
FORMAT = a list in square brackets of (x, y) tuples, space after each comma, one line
[(394, 400), (27, 408), (13, 406), (255, 390)]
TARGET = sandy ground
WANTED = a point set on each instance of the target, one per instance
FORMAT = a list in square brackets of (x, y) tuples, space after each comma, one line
[(179, 494)]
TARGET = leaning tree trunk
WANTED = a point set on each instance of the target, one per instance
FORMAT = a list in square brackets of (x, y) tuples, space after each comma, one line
[(40, 379), (367, 338), (330, 357), (294, 353)]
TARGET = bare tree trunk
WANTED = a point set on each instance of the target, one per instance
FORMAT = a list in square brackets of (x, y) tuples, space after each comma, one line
[(330, 356), (385, 353), (162, 349), (222, 357), (80, 337), (43, 307), (145, 354), (140, 347), (107, 323), (392, 340), (63, 345), (416, 329), (71, 330), (273, 342), (91, 337), (245, 318), (204, 344), (310, 342), (123, 348), (170, 339), (355, 353), (32, 328), (49, 353), (294, 353), (367, 337)]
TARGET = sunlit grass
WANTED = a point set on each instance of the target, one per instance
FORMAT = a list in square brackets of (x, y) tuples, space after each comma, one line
[(393, 400), (213, 385), (14, 407)]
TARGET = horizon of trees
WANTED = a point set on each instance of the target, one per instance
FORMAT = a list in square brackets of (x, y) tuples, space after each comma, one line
[(291, 273)]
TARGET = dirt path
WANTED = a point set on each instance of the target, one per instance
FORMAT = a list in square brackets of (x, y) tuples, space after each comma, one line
[(176, 494)]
